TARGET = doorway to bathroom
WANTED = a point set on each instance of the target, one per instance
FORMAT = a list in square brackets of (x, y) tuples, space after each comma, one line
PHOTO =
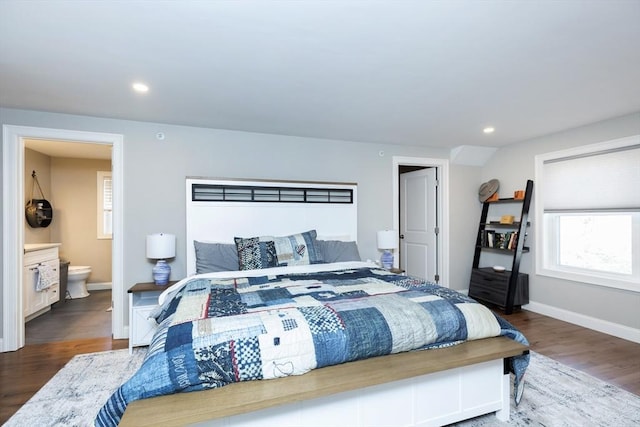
[(14, 179), (76, 177)]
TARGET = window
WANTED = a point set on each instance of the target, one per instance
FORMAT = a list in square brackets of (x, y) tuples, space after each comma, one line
[(588, 208), (105, 205)]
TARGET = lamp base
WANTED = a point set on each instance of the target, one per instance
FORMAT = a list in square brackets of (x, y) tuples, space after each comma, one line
[(387, 259), (161, 272)]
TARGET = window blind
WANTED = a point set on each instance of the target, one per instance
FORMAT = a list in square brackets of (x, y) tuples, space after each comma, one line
[(107, 194), (602, 180), (105, 205)]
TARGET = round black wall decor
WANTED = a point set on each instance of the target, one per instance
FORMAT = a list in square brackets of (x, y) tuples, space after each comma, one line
[(39, 213)]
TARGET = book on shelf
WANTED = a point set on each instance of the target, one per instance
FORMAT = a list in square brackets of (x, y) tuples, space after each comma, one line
[(496, 240)]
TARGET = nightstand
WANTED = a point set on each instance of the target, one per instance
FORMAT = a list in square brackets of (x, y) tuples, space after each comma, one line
[(397, 271), (143, 299)]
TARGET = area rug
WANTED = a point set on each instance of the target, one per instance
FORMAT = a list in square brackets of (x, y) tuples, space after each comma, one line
[(555, 395), (76, 393)]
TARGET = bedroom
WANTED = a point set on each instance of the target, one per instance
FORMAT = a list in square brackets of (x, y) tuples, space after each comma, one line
[(150, 186)]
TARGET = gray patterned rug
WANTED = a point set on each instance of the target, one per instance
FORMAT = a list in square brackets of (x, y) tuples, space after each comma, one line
[(555, 395)]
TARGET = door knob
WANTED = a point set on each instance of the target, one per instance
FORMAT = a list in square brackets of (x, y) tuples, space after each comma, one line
[(402, 236)]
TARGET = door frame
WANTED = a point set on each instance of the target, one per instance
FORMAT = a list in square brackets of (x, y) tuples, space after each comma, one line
[(13, 225), (442, 176)]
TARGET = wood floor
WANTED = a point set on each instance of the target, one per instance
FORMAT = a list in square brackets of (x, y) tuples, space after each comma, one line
[(603, 356), (617, 361), (73, 319), (72, 327)]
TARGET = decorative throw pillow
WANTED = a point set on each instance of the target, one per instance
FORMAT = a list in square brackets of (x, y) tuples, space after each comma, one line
[(270, 251), (256, 253), (212, 257), (297, 249)]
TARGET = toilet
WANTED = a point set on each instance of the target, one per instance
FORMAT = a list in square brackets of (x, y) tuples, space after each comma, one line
[(77, 281)]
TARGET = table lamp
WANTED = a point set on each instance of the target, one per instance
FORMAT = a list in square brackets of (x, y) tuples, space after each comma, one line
[(161, 246), (387, 241)]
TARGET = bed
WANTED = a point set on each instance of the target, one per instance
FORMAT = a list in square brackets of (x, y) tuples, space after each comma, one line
[(303, 333)]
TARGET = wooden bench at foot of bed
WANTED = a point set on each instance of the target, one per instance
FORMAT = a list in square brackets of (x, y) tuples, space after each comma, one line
[(246, 397)]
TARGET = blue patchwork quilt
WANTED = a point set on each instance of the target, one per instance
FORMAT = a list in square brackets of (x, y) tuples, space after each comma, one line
[(217, 331)]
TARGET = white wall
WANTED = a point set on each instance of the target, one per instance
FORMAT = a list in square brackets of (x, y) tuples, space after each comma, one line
[(463, 203), (155, 172), (512, 166), (70, 186), (75, 203), (41, 164)]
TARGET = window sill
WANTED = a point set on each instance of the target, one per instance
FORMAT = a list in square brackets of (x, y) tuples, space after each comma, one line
[(609, 281)]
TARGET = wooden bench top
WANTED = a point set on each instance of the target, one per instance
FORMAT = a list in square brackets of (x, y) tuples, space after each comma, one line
[(242, 397)]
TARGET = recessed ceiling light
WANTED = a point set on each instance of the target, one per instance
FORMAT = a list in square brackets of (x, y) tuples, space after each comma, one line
[(488, 129), (140, 87)]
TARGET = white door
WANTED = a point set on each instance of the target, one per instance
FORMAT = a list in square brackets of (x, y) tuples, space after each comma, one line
[(418, 224)]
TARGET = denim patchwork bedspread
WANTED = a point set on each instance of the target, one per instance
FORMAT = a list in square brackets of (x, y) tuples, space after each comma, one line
[(218, 331)]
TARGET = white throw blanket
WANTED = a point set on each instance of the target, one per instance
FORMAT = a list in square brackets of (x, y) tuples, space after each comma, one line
[(47, 277)]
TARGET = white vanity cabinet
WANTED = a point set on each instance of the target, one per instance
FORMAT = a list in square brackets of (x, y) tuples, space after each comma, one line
[(35, 303)]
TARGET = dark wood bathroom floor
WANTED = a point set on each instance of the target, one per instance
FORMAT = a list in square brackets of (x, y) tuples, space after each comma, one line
[(74, 319)]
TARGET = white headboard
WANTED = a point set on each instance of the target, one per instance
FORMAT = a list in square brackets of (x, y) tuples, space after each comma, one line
[(218, 210)]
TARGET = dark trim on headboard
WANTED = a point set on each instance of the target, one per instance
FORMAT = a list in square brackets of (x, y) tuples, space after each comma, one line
[(269, 194)]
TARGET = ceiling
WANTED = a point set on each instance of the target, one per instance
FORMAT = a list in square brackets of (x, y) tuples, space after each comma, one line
[(77, 150), (427, 73)]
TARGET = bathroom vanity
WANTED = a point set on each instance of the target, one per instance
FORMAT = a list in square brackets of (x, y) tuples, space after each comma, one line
[(35, 303)]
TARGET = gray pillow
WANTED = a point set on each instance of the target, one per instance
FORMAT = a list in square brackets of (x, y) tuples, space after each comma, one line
[(338, 251), (212, 257)]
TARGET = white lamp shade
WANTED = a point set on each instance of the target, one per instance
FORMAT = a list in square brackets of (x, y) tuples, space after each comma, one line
[(387, 239), (161, 246)]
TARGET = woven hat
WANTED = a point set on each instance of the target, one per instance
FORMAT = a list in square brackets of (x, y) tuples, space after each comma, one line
[(487, 189)]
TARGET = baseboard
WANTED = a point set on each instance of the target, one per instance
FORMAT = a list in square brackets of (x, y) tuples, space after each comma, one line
[(98, 286), (604, 326), (125, 331)]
